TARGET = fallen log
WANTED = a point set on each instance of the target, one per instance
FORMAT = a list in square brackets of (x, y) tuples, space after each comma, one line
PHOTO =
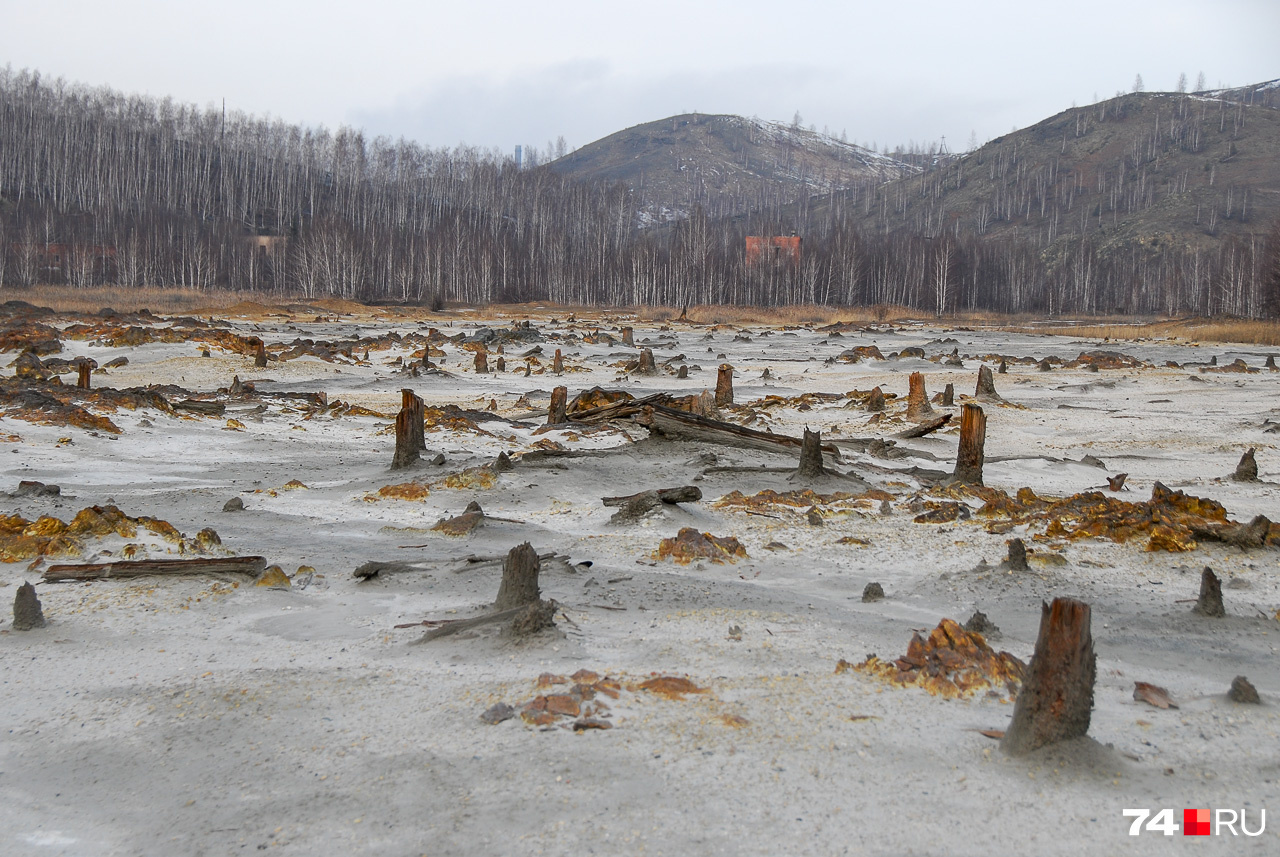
[(683, 494), (682, 425), (925, 428), (204, 409), (250, 565)]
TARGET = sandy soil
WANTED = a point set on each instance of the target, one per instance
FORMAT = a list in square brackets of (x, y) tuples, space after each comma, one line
[(196, 716)]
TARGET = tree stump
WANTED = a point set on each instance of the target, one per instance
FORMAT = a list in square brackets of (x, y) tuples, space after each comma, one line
[(557, 363), (502, 364), (875, 403), (259, 353), (1271, 362), (1057, 691), (647, 365), (986, 391), (1004, 368), (724, 385), (627, 338), (26, 609), (1017, 559), (973, 436), (527, 370), (811, 456), (1247, 469), (559, 401), (82, 381), (1210, 601), (1044, 365), (519, 578), (411, 436), (683, 373), (482, 362), (918, 407), (949, 396)]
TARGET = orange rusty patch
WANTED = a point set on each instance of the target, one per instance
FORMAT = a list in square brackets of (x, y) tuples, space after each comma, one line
[(690, 545)]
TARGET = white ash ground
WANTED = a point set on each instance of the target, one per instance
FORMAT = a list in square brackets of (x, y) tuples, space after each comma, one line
[(190, 717)]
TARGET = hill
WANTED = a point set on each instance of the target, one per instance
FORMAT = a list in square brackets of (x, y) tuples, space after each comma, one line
[(725, 164)]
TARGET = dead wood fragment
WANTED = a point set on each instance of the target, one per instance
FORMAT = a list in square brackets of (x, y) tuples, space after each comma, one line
[(973, 436), (627, 337), (1210, 601), (1116, 483), (672, 423), (206, 409), (924, 428), (872, 592), (636, 506), (918, 407), (252, 565), (1044, 365), (534, 618), (453, 626), (502, 364), (1056, 701), (1004, 367), (1153, 695), (683, 373), (519, 578), (724, 385), (1247, 469), (27, 614)]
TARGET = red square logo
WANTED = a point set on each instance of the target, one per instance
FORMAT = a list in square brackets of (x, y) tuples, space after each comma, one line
[(1195, 822)]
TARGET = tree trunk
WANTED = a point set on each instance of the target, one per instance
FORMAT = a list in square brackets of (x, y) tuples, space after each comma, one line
[(647, 365), (502, 364), (1056, 700), (811, 456), (83, 380), (519, 578), (986, 391), (557, 365), (259, 353), (482, 362), (253, 565), (627, 338), (948, 396), (410, 433), (973, 436), (918, 408), (559, 401), (724, 385), (27, 614), (1210, 601)]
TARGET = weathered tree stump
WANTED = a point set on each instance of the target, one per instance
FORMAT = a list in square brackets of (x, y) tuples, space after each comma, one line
[(724, 385), (1271, 362), (1017, 559), (949, 396), (683, 373), (82, 380), (259, 353), (875, 403), (1210, 601), (1056, 700), (973, 436), (1247, 469), (986, 391), (1004, 367), (1044, 365), (527, 370), (557, 363), (519, 578), (411, 436), (1242, 690), (647, 366), (873, 591), (559, 401), (811, 456), (502, 364), (27, 613), (482, 362), (627, 338), (918, 407)]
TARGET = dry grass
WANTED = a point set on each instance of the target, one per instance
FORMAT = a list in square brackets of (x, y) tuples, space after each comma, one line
[(123, 299), (1243, 331)]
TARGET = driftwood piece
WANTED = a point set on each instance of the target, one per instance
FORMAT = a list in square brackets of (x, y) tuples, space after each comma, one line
[(973, 436), (519, 578), (724, 385), (1056, 700), (1247, 469), (875, 402), (811, 456), (454, 626), (252, 565), (1210, 601), (1244, 536), (559, 402), (924, 428), (410, 431), (918, 407), (986, 390), (671, 423)]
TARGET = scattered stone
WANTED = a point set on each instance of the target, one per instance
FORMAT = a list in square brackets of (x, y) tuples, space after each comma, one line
[(872, 592), (274, 577), (27, 614), (498, 713), (1242, 690), (235, 504), (32, 488), (952, 662)]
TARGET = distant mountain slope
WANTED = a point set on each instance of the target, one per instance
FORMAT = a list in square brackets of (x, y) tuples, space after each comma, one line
[(727, 164), (1161, 170)]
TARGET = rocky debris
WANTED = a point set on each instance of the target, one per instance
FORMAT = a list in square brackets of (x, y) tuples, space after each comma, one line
[(1242, 690), (32, 488), (273, 577), (872, 592), (689, 545), (498, 713), (951, 662), (22, 540), (859, 353), (27, 613), (1096, 360), (29, 367)]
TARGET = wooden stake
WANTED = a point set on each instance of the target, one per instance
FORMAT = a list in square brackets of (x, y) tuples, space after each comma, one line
[(519, 578), (1210, 601), (973, 436), (918, 407), (559, 401), (82, 381), (1057, 692), (724, 385)]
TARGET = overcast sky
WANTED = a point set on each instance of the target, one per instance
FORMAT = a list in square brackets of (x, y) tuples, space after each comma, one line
[(500, 73)]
